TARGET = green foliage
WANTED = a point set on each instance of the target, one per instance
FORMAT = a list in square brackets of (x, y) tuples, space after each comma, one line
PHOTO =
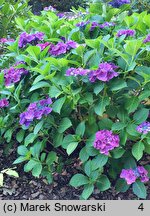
[(80, 108)]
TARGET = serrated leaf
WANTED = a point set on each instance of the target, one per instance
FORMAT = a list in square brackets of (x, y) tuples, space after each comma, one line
[(137, 150), (103, 183), (79, 180), (139, 189), (64, 125), (88, 190), (71, 147), (57, 105), (38, 127), (39, 85)]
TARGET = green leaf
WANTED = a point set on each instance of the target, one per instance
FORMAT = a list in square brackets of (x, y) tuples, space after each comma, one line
[(12, 173), (99, 161), (22, 150), (1, 179), (64, 125), (37, 169), (78, 180), (139, 189), (101, 106), (57, 105), (98, 88), (51, 158), (39, 85), (54, 92), (88, 190), (132, 104), (80, 129), (58, 139), (34, 51), (130, 163), (137, 150), (38, 127), (132, 46), (71, 147), (20, 136), (83, 154), (29, 139), (118, 85), (20, 160), (118, 126), (103, 183), (141, 115), (88, 168), (29, 166), (118, 152), (121, 186)]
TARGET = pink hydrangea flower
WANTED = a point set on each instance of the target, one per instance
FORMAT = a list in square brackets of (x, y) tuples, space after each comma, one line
[(106, 141), (4, 103)]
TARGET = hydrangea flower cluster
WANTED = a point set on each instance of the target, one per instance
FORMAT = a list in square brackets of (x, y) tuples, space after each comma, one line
[(105, 72), (77, 71), (62, 48), (118, 3), (95, 24), (126, 32), (82, 24), (106, 141), (13, 75), (43, 45), (147, 39), (144, 128), (107, 24), (131, 175), (50, 8), (4, 103), (35, 110), (5, 40), (26, 38)]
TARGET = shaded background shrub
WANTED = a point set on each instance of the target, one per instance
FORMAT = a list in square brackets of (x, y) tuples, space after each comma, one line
[(61, 5)]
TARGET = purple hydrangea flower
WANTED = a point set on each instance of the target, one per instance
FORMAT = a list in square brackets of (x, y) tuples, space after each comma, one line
[(5, 40), (77, 71), (62, 48), (50, 8), (4, 103), (106, 141), (143, 173), (71, 44), (82, 24), (105, 72), (144, 128), (131, 175), (118, 3), (58, 49), (147, 39), (35, 110), (25, 38), (107, 24), (126, 32), (60, 15), (13, 75), (94, 25), (44, 45)]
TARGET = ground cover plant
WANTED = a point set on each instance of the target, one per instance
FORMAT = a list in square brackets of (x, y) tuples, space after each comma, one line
[(79, 88)]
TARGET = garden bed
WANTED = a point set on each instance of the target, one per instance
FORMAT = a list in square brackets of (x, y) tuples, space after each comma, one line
[(26, 187)]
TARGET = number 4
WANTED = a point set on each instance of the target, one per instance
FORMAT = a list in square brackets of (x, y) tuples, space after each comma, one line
[(141, 207)]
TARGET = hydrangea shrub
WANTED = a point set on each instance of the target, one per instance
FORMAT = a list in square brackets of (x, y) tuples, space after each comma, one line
[(78, 89)]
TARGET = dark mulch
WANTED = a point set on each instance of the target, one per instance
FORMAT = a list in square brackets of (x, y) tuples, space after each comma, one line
[(26, 187)]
